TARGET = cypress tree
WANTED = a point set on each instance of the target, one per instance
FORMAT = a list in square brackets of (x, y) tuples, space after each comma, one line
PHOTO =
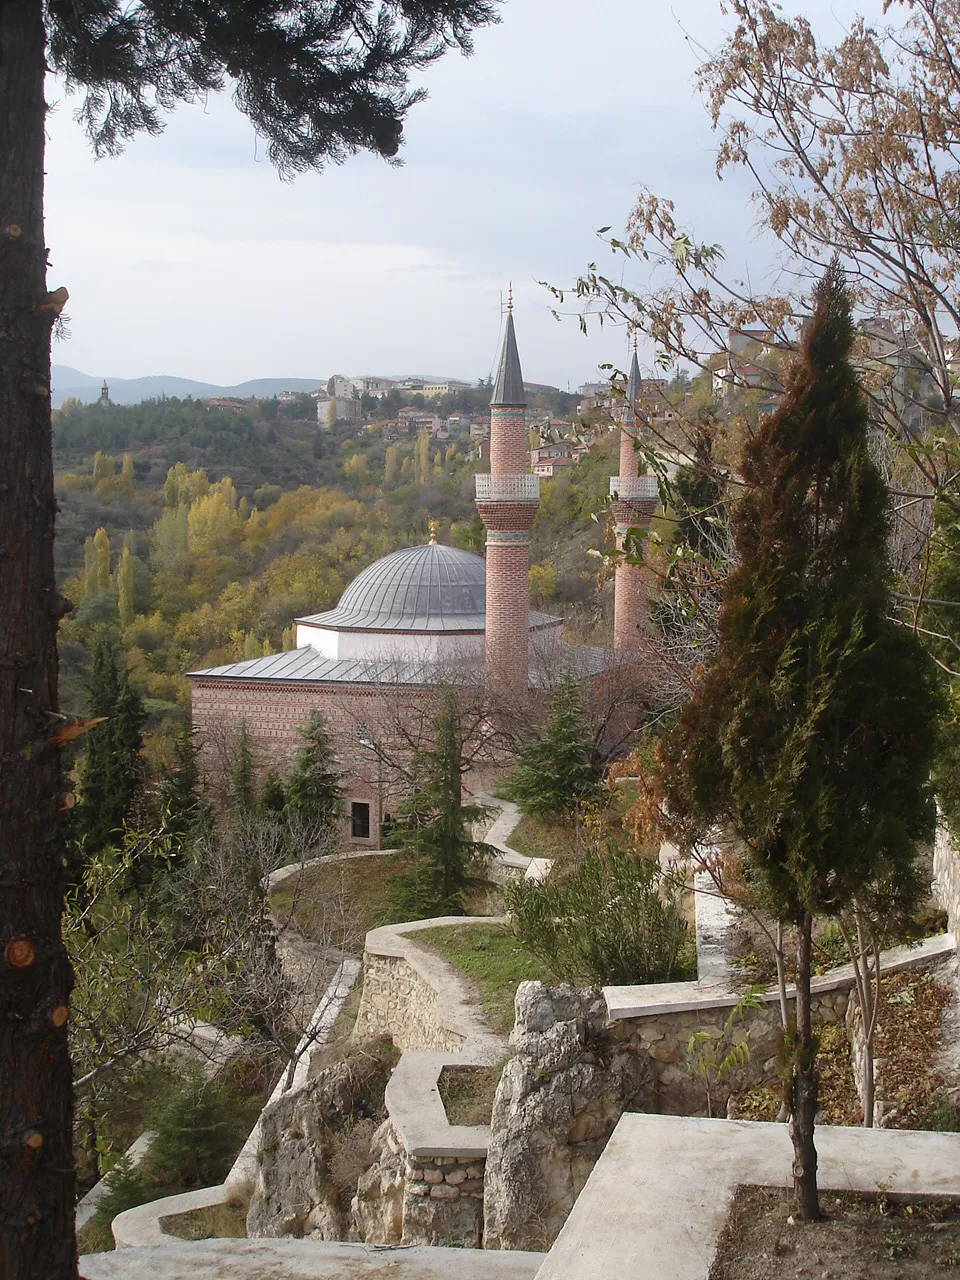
[(273, 797), (557, 769), (180, 792), (314, 792), (243, 794), (434, 826), (811, 734), (112, 767)]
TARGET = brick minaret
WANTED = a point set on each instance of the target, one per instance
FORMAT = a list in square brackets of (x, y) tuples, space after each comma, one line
[(635, 498), (507, 501)]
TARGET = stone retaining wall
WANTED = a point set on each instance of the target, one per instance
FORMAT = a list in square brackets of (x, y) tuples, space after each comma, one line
[(397, 1001), (411, 1200), (418, 999)]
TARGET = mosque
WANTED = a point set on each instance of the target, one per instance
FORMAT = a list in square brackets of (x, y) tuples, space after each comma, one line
[(431, 616)]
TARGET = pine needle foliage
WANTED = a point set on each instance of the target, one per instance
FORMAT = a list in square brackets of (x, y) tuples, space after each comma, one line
[(812, 732), (314, 794), (557, 769), (318, 81), (112, 767), (435, 827)]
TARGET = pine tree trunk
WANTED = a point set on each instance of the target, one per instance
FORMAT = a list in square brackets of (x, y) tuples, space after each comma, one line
[(36, 1103), (804, 1085)]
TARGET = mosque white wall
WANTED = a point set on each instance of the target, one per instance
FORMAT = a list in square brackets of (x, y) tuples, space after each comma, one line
[(391, 646)]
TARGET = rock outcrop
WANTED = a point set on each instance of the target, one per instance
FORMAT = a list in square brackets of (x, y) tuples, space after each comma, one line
[(313, 1143), (558, 1101)]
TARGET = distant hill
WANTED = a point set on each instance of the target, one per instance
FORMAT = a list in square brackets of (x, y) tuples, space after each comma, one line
[(86, 388), (71, 382)]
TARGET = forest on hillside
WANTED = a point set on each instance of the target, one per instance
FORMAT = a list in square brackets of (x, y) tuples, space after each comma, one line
[(189, 537)]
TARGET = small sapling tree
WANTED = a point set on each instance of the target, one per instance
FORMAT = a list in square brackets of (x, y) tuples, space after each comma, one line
[(435, 826), (811, 735), (557, 769), (314, 796)]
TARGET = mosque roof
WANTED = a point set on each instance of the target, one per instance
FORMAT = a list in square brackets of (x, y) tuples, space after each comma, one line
[(308, 665), (508, 387), (431, 588)]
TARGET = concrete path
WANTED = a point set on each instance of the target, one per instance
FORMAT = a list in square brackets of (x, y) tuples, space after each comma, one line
[(500, 833), (306, 1260), (659, 1196)]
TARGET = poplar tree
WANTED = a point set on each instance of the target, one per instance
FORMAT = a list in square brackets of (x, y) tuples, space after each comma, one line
[(125, 587), (101, 547), (319, 82), (89, 567), (811, 735), (421, 456)]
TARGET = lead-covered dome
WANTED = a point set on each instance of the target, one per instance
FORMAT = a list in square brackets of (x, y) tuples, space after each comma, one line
[(431, 588)]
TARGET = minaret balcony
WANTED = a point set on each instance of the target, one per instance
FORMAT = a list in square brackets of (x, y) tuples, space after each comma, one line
[(518, 487), (632, 488)]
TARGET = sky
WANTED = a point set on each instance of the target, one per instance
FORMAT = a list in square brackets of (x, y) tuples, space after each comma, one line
[(187, 255)]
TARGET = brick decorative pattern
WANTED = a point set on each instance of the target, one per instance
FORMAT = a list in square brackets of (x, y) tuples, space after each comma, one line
[(628, 454), (509, 451), (507, 652), (631, 582), (275, 711)]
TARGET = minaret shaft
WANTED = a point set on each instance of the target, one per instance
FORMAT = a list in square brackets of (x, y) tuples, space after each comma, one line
[(507, 502), (635, 501)]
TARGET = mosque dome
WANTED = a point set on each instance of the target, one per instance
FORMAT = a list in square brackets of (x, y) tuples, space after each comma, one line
[(425, 589)]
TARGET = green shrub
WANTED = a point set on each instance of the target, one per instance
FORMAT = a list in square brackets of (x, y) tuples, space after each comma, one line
[(608, 920), (197, 1132)]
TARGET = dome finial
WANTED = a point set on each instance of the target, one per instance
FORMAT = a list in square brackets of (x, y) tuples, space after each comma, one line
[(433, 525)]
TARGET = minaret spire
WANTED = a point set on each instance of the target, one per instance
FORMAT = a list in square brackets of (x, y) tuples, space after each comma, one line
[(507, 501), (635, 498)]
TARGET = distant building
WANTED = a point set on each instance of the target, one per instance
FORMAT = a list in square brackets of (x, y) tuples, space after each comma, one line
[(443, 388), (345, 409), (479, 429), (104, 393), (234, 406), (372, 386), (550, 459), (413, 421)]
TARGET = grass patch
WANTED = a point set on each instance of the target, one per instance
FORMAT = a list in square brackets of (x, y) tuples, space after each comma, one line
[(340, 901), (467, 1093), (537, 838), (492, 960), (216, 1222)]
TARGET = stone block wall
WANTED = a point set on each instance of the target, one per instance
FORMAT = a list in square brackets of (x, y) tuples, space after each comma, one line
[(275, 711), (662, 1039), (404, 1199), (399, 1002)]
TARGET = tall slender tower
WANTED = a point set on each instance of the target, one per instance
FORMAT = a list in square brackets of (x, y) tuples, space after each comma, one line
[(635, 498), (507, 501)]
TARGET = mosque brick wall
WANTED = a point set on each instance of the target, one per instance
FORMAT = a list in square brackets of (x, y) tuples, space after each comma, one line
[(275, 711)]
